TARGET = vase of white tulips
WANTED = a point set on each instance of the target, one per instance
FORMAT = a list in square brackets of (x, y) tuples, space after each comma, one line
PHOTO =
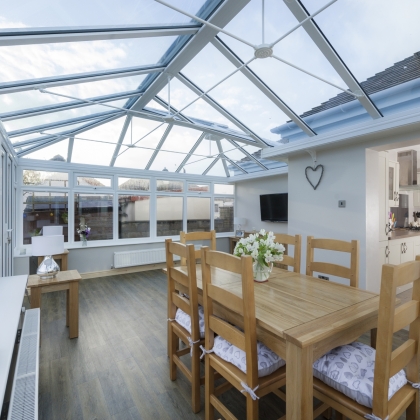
[(263, 250)]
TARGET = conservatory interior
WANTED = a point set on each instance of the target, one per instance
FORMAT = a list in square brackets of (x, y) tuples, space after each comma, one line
[(143, 143)]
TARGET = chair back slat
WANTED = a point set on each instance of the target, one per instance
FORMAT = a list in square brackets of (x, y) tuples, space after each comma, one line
[(189, 282), (228, 332), (212, 295), (181, 302), (407, 355), (352, 247), (406, 314), (178, 249), (225, 261), (332, 269), (179, 277), (296, 242), (332, 244), (401, 356), (225, 298), (184, 237)]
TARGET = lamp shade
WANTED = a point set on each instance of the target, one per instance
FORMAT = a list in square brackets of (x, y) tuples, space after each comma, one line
[(52, 230), (47, 245)]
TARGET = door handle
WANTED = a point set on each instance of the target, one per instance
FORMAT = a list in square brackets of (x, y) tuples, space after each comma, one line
[(387, 228), (402, 248), (387, 251)]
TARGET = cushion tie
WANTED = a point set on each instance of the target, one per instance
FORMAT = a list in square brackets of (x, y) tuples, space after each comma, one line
[(205, 352), (414, 384), (373, 417), (191, 343), (250, 391)]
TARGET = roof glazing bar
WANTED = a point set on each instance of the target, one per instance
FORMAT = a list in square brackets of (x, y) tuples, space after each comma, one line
[(233, 163), (58, 124), (26, 36), (211, 166), (246, 153), (320, 40), (224, 14), (191, 152), (31, 112), (159, 146), (251, 76), (127, 122), (220, 148), (55, 138), (70, 149), (71, 79), (219, 108)]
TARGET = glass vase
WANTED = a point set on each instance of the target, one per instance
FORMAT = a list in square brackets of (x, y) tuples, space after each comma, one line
[(83, 239), (261, 272)]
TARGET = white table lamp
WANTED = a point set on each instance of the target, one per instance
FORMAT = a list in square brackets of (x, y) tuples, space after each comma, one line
[(47, 246), (52, 230)]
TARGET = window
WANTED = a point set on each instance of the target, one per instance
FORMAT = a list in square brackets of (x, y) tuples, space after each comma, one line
[(198, 214), (224, 189), (223, 218), (42, 208), (193, 187), (169, 186), (135, 184), (96, 211), (169, 218), (216, 208), (133, 216), (87, 181), (47, 179)]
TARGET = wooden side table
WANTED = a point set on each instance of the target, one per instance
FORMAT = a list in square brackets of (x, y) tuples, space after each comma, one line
[(64, 280), (62, 257)]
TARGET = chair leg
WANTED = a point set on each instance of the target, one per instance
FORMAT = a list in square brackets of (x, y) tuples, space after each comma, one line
[(413, 409), (173, 345), (195, 385), (209, 389), (251, 408)]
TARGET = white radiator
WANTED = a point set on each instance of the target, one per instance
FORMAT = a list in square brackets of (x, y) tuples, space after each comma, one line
[(139, 257), (24, 399)]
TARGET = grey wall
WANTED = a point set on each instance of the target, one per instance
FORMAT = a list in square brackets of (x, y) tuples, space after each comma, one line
[(248, 201), (92, 259)]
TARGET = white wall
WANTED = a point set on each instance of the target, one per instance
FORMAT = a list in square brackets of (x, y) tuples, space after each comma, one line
[(316, 212), (247, 196)]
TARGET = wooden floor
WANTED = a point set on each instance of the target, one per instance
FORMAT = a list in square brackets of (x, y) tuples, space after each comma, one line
[(118, 368)]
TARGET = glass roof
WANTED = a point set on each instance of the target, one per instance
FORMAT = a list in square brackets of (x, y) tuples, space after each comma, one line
[(99, 73)]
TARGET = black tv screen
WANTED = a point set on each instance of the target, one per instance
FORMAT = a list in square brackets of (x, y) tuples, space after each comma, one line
[(274, 207)]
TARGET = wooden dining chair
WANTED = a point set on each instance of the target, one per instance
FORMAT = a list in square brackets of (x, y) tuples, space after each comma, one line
[(198, 236), (352, 247), (287, 241), (185, 318), (381, 386), (234, 353)]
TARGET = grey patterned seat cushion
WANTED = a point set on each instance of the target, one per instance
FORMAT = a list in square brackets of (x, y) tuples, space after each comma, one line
[(350, 369), (268, 361), (184, 320)]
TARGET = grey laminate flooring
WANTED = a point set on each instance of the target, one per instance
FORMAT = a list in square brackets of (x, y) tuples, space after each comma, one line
[(117, 368)]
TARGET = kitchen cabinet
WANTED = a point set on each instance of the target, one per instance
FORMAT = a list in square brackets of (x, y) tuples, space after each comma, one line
[(393, 183), (383, 196)]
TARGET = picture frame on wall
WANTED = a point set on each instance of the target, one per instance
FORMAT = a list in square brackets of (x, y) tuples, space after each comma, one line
[(240, 233)]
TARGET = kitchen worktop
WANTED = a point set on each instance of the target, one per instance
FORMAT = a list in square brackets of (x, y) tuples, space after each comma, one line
[(401, 233)]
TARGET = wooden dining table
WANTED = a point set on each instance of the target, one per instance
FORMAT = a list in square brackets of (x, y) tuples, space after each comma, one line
[(300, 318)]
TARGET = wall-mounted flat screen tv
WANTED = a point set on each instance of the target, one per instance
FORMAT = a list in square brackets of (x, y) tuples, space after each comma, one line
[(274, 207)]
